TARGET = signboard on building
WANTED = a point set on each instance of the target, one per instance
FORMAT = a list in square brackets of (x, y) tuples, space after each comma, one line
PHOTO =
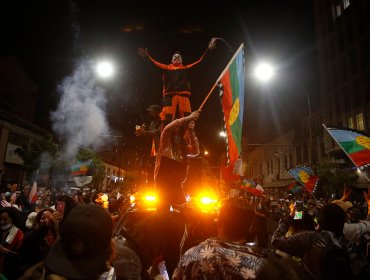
[(11, 156)]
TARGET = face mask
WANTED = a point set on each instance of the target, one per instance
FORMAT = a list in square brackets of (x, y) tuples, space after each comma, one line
[(5, 227)]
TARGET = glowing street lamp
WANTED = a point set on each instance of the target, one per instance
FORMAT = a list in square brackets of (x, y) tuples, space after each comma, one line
[(264, 72), (222, 134), (104, 69)]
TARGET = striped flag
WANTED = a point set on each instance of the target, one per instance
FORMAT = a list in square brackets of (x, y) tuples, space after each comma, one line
[(231, 85), (354, 144), (305, 175), (33, 193), (251, 187), (80, 168)]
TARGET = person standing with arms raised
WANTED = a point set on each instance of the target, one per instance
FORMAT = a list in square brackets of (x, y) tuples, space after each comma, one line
[(176, 85)]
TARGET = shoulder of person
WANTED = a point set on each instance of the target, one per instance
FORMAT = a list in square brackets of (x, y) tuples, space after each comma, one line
[(35, 272)]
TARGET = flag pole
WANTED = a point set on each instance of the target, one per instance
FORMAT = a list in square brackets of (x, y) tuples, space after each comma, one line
[(345, 151), (219, 78)]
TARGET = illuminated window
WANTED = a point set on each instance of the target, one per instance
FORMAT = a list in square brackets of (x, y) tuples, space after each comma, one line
[(346, 4), (360, 121), (350, 122), (338, 10), (272, 166)]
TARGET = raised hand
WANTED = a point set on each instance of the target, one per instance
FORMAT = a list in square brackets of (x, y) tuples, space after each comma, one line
[(142, 52)]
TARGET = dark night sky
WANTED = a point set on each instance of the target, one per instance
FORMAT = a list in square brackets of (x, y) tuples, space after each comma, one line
[(48, 37)]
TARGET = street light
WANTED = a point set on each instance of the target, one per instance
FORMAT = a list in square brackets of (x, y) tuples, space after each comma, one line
[(222, 134), (264, 72), (104, 69)]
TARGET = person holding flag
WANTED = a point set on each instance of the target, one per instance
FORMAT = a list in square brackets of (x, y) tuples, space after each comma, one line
[(153, 133), (178, 142)]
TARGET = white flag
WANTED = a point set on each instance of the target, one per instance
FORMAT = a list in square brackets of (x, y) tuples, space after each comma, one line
[(33, 197), (259, 187), (238, 167), (82, 180)]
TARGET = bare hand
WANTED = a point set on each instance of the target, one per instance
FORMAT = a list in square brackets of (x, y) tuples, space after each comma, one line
[(346, 192), (212, 44), (4, 250), (194, 116), (139, 131), (142, 52), (56, 217)]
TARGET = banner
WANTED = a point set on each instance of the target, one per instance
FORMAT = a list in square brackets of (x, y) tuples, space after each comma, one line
[(82, 180)]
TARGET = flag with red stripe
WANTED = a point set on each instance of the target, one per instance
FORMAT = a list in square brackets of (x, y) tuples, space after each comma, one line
[(231, 86)]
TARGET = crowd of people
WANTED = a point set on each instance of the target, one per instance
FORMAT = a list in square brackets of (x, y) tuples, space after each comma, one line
[(252, 237), (85, 234)]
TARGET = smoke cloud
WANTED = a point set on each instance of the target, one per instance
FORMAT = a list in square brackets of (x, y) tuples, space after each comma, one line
[(80, 118)]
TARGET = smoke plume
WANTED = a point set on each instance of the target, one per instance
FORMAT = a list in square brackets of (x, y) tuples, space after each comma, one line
[(80, 118)]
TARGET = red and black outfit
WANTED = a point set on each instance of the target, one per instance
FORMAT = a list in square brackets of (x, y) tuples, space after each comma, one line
[(176, 89)]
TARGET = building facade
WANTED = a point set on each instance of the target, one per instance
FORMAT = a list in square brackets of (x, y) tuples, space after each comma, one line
[(343, 40)]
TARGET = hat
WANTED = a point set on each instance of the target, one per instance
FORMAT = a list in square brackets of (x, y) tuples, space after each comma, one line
[(344, 205), (84, 244), (155, 107)]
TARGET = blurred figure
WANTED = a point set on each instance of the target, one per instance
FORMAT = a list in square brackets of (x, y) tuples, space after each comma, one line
[(31, 218), (259, 226), (11, 239), (280, 268), (153, 133), (226, 256), (84, 249), (323, 254), (311, 206), (37, 242)]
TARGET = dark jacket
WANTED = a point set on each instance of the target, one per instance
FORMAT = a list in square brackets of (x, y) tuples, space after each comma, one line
[(309, 246)]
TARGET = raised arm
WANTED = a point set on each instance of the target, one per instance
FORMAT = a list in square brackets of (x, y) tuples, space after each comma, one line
[(211, 46), (144, 53)]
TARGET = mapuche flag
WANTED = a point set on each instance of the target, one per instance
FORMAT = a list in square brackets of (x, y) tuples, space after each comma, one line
[(354, 144), (304, 175), (80, 168), (231, 83)]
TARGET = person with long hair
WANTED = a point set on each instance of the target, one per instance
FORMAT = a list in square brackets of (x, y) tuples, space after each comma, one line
[(38, 241)]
